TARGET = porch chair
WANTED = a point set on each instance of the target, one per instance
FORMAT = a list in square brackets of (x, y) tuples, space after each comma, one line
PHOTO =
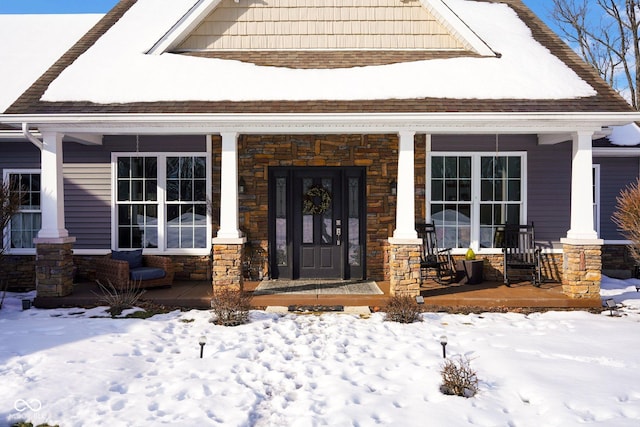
[(147, 271), (520, 253), (432, 259)]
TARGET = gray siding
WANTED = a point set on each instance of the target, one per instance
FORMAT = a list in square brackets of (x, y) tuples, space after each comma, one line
[(616, 173), (18, 155), (87, 195), (548, 180)]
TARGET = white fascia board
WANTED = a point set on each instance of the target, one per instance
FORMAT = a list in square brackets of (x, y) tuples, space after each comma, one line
[(187, 23), (616, 152), (447, 17), (430, 123)]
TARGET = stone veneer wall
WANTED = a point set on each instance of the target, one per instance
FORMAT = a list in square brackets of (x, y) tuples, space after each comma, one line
[(190, 267), (187, 267), (617, 257), (378, 153), (494, 271), (18, 272)]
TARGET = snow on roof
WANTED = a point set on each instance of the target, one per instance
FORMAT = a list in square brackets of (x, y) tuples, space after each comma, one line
[(116, 69), (30, 44), (627, 135)]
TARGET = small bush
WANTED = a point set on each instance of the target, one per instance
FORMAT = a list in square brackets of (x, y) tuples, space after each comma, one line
[(403, 309), (458, 379), (230, 307), (120, 300)]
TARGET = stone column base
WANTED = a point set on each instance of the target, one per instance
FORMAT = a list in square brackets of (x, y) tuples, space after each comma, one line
[(54, 267), (582, 270), (227, 266), (404, 268)]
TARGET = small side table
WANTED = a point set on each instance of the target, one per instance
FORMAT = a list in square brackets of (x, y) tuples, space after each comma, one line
[(473, 271)]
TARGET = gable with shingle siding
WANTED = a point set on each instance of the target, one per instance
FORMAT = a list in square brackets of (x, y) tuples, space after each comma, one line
[(309, 24)]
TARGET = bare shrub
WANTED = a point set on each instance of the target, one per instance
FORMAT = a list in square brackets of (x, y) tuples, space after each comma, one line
[(458, 379), (230, 306), (402, 309), (627, 217), (119, 300)]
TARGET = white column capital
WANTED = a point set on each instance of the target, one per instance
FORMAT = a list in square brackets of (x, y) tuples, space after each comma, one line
[(229, 135)]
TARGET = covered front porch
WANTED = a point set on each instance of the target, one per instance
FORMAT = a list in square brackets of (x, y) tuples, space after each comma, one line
[(401, 188), (487, 296)]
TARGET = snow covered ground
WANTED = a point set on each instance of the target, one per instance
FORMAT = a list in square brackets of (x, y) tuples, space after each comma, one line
[(544, 369)]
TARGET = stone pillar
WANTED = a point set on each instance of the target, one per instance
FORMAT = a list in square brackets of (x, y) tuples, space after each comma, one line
[(227, 266), (54, 267), (404, 267), (582, 270)]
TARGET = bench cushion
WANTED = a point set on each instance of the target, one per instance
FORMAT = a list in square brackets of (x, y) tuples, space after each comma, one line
[(146, 273), (134, 258)]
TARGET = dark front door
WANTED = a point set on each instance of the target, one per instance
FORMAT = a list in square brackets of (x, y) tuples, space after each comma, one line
[(317, 216), (317, 222)]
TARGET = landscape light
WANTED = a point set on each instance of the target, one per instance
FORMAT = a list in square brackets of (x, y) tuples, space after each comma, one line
[(611, 305), (443, 343), (202, 341)]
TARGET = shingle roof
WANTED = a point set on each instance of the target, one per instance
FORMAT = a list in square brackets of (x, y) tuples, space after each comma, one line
[(606, 100)]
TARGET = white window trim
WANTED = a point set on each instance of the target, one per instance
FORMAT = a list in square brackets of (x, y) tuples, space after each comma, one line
[(162, 226), (7, 237), (475, 192), (596, 199)]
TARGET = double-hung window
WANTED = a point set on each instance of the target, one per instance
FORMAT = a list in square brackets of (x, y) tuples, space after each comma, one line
[(25, 225), (161, 201), (471, 194)]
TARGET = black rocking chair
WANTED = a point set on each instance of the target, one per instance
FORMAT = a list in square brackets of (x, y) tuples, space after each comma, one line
[(520, 253), (432, 259)]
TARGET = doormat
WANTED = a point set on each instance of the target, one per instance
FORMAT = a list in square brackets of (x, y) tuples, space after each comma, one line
[(317, 287), (315, 308)]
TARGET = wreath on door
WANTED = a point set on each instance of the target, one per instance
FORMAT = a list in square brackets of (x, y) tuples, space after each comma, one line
[(316, 201)]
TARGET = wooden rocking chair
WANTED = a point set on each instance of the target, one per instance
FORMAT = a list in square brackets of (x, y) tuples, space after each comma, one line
[(432, 259), (520, 253)]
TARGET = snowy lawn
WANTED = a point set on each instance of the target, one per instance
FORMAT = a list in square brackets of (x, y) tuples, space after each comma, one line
[(544, 369)]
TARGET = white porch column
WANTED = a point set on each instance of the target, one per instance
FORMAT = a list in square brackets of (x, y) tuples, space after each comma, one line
[(427, 181), (54, 246), (229, 206), (405, 206), (52, 190), (582, 188)]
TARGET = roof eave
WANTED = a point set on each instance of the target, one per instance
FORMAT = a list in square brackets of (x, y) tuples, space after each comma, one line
[(544, 122)]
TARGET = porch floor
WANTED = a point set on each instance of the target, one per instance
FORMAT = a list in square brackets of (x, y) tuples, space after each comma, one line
[(486, 296)]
